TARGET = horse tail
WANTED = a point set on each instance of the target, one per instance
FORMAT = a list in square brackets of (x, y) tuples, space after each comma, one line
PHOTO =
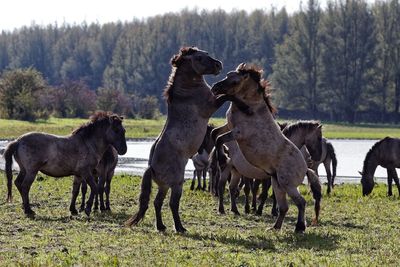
[(8, 154), (143, 199), (316, 190), (332, 154)]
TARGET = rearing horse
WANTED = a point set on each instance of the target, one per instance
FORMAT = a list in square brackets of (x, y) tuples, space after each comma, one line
[(190, 105), (262, 142)]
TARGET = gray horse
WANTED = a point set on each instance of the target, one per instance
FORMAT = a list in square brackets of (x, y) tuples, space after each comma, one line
[(190, 105), (263, 143), (103, 175), (77, 154), (384, 153)]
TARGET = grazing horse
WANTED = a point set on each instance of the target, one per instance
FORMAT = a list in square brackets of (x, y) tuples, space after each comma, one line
[(103, 175), (201, 160), (77, 154), (328, 156), (190, 106), (263, 144), (386, 154)]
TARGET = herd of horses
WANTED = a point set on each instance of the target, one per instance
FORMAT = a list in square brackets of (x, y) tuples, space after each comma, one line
[(250, 150)]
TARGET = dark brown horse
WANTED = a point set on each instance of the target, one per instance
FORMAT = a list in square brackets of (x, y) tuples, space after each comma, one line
[(77, 154), (190, 105), (103, 175), (383, 153)]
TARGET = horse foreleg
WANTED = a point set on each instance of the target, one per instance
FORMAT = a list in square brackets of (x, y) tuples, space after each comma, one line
[(193, 180), (266, 184), (107, 189), (204, 178), (93, 191), (83, 191), (282, 202), (218, 131), (254, 192), (100, 192), (396, 180), (75, 192), (247, 189), (176, 193), (198, 173), (243, 107), (223, 177), (328, 176)]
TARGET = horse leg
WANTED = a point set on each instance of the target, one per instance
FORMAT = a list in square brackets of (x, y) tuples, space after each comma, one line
[(275, 206), (221, 187), (193, 180), (396, 180), (100, 192), (282, 202), (254, 191), (176, 193), (25, 188), (75, 192), (246, 189), (300, 202), (107, 189), (234, 190), (83, 191), (204, 179), (266, 184), (93, 192), (389, 181), (328, 176), (198, 173), (316, 189), (158, 202), (18, 181), (96, 196)]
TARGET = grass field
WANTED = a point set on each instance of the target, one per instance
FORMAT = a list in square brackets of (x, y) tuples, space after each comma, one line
[(354, 231), (137, 128)]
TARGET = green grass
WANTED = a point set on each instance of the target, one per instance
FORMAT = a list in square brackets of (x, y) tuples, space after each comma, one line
[(354, 230), (138, 128)]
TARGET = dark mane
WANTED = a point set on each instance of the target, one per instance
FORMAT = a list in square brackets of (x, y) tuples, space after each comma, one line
[(176, 61), (371, 151), (98, 119), (291, 128), (263, 85)]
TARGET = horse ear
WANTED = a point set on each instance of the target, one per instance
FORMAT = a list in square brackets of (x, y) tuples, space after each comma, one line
[(360, 173), (241, 66), (320, 126)]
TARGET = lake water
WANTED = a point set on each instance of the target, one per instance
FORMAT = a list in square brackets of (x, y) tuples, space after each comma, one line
[(350, 155)]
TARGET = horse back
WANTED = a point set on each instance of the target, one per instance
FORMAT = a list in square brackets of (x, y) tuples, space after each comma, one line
[(389, 153)]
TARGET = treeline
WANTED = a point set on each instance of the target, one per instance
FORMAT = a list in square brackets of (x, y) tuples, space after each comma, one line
[(340, 63)]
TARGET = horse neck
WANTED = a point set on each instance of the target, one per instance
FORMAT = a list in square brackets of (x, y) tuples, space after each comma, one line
[(298, 137), (97, 144), (370, 166), (184, 80)]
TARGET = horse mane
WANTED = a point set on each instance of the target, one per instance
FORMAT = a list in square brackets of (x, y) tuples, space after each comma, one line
[(291, 128), (264, 87), (98, 119), (176, 61), (371, 151)]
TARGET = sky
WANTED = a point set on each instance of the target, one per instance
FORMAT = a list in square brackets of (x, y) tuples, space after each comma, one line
[(18, 13)]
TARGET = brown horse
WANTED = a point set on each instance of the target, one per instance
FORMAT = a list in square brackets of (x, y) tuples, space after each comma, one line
[(103, 175), (384, 153), (263, 143), (77, 154), (190, 105), (201, 160)]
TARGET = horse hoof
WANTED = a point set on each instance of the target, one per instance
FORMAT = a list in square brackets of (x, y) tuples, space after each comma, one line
[(180, 229), (300, 227), (258, 213), (74, 212), (221, 211), (247, 210), (30, 214), (87, 212), (314, 222), (192, 187), (161, 228), (81, 209), (237, 213)]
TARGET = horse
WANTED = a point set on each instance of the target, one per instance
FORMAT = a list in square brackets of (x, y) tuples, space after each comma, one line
[(201, 160), (384, 153), (328, 156), (190, 105), (76, 154), (103, 174), (307, 134), (263, 144)]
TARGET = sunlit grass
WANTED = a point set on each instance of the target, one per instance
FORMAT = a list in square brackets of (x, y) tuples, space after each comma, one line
[(354, 230)]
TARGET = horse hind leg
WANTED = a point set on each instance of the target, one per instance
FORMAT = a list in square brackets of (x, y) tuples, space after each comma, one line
[(204, 179), (317, 194), (158, 202), (247, 188), (282, 202), (266, 184), (389, 181), (84, 188), (107, 189), (234, 190), (328, 176), (193, 180), (300, 202), (25, 188), (176, 194)]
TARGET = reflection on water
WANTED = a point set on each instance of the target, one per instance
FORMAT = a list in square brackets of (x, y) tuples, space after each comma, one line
[(350, 155)]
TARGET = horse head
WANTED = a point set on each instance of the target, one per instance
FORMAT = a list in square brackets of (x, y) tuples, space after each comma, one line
[(198, 60), (115, 134), (367, 183)]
